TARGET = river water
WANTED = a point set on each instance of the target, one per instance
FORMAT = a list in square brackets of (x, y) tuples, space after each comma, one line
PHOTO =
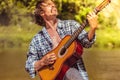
[(100, 64)]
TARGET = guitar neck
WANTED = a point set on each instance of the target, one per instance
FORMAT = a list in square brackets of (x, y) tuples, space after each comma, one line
[(85, 22)]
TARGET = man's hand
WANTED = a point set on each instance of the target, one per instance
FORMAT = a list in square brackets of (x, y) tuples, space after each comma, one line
[(49, 59), (92, 19)]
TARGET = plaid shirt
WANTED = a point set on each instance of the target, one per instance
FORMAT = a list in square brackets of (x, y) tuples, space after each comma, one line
[(42, 43)]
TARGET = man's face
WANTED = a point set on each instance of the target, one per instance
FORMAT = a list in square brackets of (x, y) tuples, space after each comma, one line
[(49, 10)]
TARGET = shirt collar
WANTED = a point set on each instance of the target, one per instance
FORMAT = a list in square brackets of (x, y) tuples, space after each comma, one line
[(59, 24)]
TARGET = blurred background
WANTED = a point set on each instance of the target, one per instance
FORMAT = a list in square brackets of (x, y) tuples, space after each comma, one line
[(17, 27)]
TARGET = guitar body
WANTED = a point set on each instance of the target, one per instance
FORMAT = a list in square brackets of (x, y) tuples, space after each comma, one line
[(50, 72), (70, 61)]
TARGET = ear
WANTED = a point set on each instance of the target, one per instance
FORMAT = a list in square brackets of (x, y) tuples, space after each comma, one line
[(42, 13)]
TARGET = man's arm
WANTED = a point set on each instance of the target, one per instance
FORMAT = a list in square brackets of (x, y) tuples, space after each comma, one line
[(92, 19)]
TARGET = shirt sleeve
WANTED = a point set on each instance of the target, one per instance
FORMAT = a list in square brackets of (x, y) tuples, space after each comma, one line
[(83, 36), (31, 59)]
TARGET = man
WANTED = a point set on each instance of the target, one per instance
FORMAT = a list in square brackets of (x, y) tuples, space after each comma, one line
[(54, 30)]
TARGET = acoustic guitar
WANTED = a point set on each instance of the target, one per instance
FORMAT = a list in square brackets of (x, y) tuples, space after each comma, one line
[(65, 49)]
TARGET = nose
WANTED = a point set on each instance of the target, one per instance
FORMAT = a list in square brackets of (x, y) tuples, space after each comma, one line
[(53, 6)]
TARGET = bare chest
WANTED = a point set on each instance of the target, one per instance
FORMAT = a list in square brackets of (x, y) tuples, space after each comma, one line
[(54, 37)]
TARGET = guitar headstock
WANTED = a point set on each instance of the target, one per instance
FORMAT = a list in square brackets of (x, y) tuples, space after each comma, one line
[(102, 5)]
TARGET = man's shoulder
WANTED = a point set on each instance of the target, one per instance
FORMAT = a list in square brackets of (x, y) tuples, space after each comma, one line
[(37, 35)]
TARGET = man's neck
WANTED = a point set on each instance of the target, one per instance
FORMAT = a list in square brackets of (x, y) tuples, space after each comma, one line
[(51, 24)]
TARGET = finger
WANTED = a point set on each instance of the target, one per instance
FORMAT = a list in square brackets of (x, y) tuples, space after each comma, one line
[(51, 62), (52, 53), (53, 58), (91, 14), (89, 17), (48, 56)]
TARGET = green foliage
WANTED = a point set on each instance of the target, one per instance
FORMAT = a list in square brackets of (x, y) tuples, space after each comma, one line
[(74, 9), (107, 22), (82, 14), (107, 38), (15, 36), (16, 11), (17, 15)]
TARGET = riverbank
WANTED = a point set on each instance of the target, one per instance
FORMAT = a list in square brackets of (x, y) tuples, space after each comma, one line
[(16, 36)]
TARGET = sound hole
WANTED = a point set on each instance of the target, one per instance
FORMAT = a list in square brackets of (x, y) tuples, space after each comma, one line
[(63, 50)]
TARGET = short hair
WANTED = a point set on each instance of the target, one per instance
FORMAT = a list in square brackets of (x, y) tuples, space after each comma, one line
[(38, 9)]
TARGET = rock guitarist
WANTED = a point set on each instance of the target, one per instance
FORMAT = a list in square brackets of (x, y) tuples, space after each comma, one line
[(53, 30)]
